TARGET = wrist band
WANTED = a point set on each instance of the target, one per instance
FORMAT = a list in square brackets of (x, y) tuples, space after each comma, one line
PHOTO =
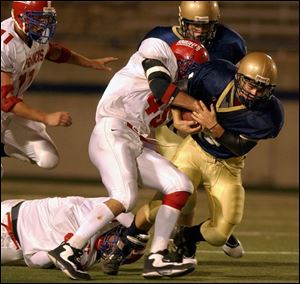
[(213, 126)]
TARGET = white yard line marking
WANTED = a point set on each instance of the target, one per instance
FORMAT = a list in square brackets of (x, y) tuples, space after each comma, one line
[(252, 252), (249, 233)]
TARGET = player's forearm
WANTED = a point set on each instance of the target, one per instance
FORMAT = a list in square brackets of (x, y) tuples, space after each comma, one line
[(78, 59), (185, 101), (23, 110)]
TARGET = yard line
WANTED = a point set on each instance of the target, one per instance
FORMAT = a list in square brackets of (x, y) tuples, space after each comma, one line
[(283, 234), (252, 252)]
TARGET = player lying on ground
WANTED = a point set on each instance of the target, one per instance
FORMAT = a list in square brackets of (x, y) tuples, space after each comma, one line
[(30, 228)]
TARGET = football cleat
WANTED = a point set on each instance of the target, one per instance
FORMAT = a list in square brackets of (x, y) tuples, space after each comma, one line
[(160, 264), (184, 248), (233, 247), (122, 253), (67, 258)]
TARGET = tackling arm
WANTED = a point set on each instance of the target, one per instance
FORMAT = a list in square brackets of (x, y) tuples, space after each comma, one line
[(163, 89)]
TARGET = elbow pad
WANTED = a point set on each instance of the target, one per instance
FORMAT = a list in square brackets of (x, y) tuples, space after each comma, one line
[(237, 144), (160, 82)]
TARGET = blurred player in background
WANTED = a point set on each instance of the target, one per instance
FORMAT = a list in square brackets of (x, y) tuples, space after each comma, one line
[(30, 228), (136, 100), (237, 109), (200, 21), (24, 47)]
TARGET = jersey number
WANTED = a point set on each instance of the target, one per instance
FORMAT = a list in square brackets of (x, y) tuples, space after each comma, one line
[(153, 108)]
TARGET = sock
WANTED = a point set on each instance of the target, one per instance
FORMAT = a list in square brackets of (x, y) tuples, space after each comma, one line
[(126, 246), (165, 221), (132, 230), (93, 222), (193, 233)]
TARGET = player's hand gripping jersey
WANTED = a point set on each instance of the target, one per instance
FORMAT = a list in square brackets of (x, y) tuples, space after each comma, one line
[(212, 82)]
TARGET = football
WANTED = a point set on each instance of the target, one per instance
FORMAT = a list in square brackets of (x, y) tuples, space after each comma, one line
[(186, 115)]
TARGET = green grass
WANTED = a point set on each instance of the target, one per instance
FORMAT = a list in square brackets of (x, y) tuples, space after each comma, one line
[(269, 233)]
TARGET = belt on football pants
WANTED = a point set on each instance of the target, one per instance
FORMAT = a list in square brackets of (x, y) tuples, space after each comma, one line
[(136, 131), (14, 219)]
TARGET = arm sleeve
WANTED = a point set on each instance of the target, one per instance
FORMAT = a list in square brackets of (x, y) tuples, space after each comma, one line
[(159, 80), (237, 144)]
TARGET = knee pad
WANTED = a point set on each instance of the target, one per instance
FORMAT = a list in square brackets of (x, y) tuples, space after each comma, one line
[(47, 160), (176, 199)]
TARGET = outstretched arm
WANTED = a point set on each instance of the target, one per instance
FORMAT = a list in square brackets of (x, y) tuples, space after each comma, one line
[(60, 54)]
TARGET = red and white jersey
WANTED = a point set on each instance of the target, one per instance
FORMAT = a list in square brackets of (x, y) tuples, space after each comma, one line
[(128, 96), (19, 59), (43, 224)]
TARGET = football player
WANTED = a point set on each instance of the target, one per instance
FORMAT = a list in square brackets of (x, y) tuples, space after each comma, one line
[(237, 109), (137, 99), (200, 21), (30, 228), (24, 47)]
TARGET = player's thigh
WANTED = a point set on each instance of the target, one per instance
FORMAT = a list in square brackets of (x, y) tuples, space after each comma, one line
[(28, 137), (157, 172), (113, 150), (168, 142), (226, 193)]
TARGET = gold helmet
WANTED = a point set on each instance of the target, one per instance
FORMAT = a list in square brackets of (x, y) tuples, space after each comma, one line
[(256, 70), (204, 14)]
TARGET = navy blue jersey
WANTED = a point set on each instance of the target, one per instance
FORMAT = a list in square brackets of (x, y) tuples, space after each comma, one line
[(227, 44), (212, 82)]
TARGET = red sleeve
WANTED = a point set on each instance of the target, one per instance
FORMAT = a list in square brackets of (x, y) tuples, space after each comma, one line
[(64, 56)]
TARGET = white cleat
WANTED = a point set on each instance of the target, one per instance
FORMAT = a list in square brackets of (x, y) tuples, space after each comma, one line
[(233, 247)]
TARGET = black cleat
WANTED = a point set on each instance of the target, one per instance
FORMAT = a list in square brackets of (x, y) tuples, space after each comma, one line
[(67, 258), (184, 248)]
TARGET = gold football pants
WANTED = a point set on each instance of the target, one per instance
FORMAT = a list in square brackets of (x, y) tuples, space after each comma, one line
[(222, 182)]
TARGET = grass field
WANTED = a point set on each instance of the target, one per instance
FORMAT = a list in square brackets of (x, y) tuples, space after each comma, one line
[(269, 233)]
